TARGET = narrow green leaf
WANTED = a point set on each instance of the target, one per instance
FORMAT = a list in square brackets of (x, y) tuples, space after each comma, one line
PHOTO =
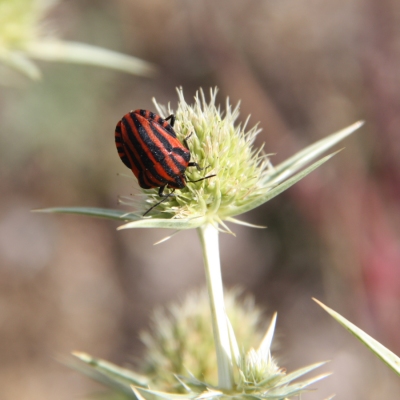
[(182, 383), (294, 389), (233, 342), (81, 53), (115, 383), (282, 186), (156, 395), (265, 345), (112, 370), (244, 223), (249, 396), (300, 372), (387, 356), (293, 164), (137, 394), (19, 62), (192, 381), (92, 212), (271, 380), (170, 223), (210, 394)]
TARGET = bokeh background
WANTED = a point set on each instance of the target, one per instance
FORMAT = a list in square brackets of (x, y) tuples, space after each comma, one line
[(304, 69)]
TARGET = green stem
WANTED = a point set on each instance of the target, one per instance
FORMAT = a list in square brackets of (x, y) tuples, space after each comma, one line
[(209, 240)]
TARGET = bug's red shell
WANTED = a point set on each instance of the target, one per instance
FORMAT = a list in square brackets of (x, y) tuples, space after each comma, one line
[(147, 144)]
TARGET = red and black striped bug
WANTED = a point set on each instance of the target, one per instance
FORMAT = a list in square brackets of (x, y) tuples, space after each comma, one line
[(147, 144)]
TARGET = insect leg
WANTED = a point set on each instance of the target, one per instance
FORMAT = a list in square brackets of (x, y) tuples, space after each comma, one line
[(172, 118), (164, 197), (194, 164), (185, 140)]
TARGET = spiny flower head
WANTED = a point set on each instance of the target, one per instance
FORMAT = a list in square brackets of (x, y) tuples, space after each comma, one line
[(258, 370), (20, 21), (256, 376), (181, 338), (180, 362), (24, 34), (221, 147)]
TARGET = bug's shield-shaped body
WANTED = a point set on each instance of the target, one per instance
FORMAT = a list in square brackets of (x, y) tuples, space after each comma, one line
[(147, 144)]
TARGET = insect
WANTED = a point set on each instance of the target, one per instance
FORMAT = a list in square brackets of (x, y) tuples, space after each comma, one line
[(147, 144)]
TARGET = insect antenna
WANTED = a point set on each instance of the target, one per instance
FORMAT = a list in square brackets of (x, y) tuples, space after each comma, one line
[(201, 179)]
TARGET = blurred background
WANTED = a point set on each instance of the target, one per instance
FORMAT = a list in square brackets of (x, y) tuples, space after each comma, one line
[(304, 69)]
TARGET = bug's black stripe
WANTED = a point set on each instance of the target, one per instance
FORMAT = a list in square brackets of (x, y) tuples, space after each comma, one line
[(120, 147), (165, 125), (142, 162), (179, 151), (125, 159), (156, 118), (168, 128), (135, 159), (159, 154), (146, 114), (181, 167), (146, 162), (142, 183), (164, 141), (185, 154), (179, 182), (174, 174), (151, 116)]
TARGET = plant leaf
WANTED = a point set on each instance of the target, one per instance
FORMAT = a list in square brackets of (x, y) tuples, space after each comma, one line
[(300, 372), (293, 164), (92, 212), (265, 345), (296, 388), (112, 370), (115, 383), (233, 342), (18, 61), (192, 381), (177, 224), (81, 53), (282, 186), (244, 223), (387, 356), (156, 395)]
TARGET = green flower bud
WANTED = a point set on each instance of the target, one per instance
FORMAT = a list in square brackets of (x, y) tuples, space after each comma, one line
[(20, 22), (24, 35), (181, 338)]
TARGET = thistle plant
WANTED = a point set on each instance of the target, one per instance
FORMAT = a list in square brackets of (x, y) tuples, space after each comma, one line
[(244, 179), (24, 34), (179, 347), (180, 337)]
